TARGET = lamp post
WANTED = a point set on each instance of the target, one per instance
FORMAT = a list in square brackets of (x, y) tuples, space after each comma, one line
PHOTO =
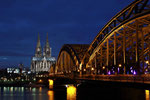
[(104, 69), (119, 68), (147, 62), (120, 65), (92, 69)]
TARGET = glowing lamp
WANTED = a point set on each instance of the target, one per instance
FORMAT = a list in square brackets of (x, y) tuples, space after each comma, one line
[(51, 83), (120, 65), (109, 72), (147, 62), (103, 67), (92, 68), (40, 81), (134, 72)]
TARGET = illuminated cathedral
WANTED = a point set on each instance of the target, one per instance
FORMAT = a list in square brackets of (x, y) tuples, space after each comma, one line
[(41, 62)]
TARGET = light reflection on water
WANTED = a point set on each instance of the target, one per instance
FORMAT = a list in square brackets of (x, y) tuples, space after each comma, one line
[(22, 93), (147, 94), (51, 95), (40, 89), (40, 93), (71, 92)]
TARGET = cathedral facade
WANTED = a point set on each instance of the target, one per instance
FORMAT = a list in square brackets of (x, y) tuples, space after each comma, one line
[(41, 62)]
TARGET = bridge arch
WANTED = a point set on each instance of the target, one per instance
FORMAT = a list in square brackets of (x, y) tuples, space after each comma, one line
[(123, 44), (69, 58)]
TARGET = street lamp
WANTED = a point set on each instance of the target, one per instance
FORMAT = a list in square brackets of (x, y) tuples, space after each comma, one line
[(147, 62), (120, 65), (147, 68), (92, 69), (103, 67), (78, 70)]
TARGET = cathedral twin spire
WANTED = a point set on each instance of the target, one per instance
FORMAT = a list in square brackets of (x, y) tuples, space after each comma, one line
[(46, 50)]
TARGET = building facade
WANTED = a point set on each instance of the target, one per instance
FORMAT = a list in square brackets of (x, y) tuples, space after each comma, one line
[(41, 62)]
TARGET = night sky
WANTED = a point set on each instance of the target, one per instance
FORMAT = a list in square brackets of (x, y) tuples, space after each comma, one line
[(66, 21)]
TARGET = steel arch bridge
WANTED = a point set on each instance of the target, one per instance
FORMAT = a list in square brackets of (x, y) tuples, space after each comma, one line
[(70, 58), (121, 47)]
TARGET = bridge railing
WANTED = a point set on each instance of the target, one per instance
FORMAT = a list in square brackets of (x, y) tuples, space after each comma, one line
[(118, 78)]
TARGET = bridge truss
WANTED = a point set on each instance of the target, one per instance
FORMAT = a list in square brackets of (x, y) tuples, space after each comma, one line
[(121, 47)]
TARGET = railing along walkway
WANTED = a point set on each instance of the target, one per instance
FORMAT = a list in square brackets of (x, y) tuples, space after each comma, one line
[(118, 78)]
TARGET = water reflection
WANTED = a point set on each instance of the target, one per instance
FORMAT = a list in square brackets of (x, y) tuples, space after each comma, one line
[(22, 89), (40, 89), (71, 93), (33, 90), (22, 93), (11, 89), (30, 89), (40, 93), (16, 89), (51, 95), (147, 94), (34, 93)]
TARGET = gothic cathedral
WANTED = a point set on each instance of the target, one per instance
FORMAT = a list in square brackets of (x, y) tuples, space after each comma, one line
[(42, 63)]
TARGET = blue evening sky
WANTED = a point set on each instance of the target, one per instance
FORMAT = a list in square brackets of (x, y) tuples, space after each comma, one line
[(66, 21)]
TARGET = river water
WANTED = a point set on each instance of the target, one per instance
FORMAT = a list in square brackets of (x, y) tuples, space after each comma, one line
[(73, 93)]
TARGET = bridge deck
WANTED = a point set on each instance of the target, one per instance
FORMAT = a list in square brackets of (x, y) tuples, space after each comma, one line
[(114, 78), (118, 78)]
